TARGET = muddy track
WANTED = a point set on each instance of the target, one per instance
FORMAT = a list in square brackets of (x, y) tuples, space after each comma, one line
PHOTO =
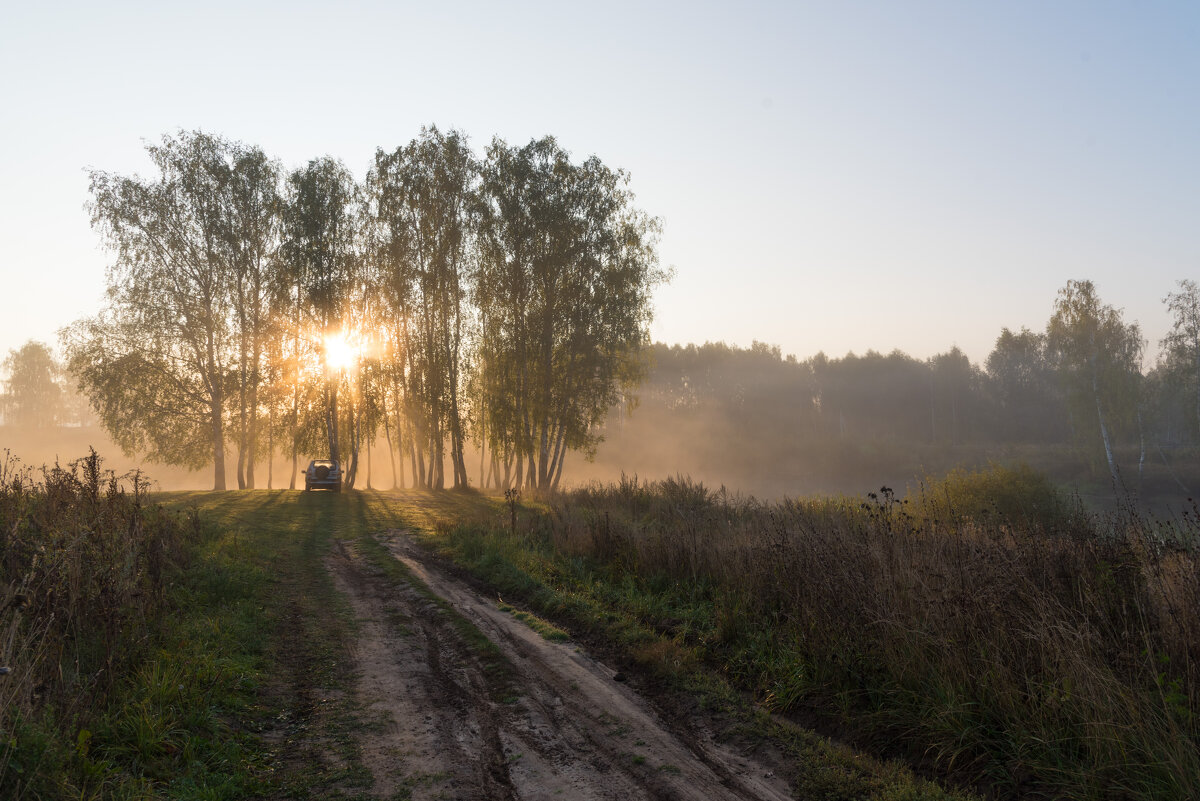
[(445, 722)]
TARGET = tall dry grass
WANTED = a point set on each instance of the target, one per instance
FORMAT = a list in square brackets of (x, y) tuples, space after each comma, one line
[(83, 569), (984, 626)]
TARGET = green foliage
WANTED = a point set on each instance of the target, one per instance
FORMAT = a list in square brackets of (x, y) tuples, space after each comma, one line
[(185, 314), (320, 238), (567, 264), (509, 299), (1016, 496), (1099, 358), (423, 203)]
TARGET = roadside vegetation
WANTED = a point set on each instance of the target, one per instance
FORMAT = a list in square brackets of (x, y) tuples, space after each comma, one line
[(181, 645), (130, 643), (985, 628), (307, 712)]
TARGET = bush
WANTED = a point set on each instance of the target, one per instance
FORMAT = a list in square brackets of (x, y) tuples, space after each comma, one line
[(1018, 496)]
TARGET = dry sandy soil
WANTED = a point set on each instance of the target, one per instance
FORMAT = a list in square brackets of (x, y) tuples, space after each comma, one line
[(565, 727)]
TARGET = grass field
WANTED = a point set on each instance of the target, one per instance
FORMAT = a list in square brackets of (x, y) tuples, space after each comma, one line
[(238, 683), (304, 672), (173, 651)]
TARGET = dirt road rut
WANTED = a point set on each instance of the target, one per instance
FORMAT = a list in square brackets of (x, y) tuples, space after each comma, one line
[(553, 724)]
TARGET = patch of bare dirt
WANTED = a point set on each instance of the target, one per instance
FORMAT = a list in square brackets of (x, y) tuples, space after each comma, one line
[(567, 729)]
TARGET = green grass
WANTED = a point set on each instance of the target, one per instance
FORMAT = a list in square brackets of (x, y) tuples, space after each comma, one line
[(303, 629), (545, 628), (150, 650)]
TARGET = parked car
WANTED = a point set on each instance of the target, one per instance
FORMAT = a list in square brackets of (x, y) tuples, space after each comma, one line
[(323, 473)]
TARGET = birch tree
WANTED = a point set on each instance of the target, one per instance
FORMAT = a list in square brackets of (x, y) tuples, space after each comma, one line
[(1099, 355), (422, 200), (1182, 344), (253, 235), (320, 250), (567, 266), (33, 396), (156, 361)]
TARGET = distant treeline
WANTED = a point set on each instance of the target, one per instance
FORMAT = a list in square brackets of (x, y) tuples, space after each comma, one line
[(774, 424), (448, 298)]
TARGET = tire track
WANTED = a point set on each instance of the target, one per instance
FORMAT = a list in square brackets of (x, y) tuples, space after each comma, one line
[(573, 731)]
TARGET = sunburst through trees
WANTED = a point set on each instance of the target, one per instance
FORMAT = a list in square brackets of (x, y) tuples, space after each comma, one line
[(444, 301)]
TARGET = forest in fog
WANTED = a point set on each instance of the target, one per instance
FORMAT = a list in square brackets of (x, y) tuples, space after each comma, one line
[(1074, 400), (757, 420)]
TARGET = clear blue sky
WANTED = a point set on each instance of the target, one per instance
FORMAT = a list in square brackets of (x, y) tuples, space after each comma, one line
[(831, 176)]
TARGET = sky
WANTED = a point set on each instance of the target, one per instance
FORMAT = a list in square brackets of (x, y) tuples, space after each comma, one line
[(833, 176)]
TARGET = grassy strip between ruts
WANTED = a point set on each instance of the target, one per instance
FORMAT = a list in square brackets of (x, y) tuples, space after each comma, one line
[(302, 707)]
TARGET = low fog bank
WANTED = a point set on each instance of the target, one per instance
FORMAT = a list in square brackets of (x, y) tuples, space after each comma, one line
[(46, 447), (761, 423)]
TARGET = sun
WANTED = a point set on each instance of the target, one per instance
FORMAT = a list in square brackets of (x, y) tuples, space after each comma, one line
[(339, 354)]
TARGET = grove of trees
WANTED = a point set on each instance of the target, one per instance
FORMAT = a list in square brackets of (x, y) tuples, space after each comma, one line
[(447, 298)]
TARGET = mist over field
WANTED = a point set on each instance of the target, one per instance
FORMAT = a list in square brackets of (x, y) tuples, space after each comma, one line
[(762, 423)]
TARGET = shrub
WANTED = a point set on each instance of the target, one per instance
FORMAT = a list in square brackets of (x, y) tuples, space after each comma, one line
[(1018, 496)]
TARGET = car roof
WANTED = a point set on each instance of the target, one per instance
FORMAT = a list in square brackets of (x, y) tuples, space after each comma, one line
[(315, 462)]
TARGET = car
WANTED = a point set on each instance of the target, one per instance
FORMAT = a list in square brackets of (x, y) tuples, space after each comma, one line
[(323, 473)]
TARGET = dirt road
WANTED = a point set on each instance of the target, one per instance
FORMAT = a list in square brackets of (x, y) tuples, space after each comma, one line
[(538, 720)]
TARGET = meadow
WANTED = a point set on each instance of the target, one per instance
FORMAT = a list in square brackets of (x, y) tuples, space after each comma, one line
[(129, 647), (985, 629)]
